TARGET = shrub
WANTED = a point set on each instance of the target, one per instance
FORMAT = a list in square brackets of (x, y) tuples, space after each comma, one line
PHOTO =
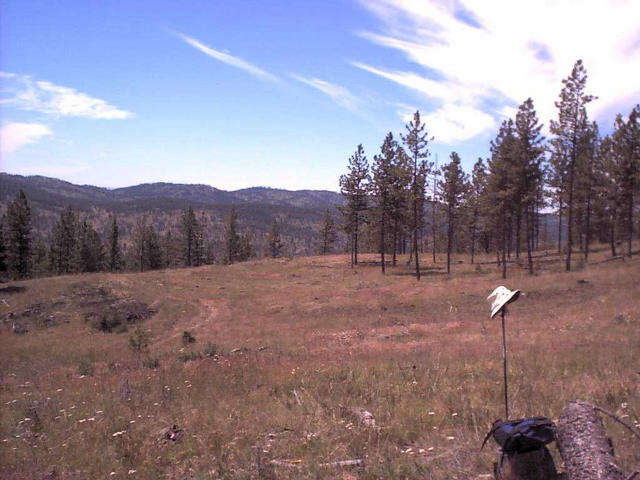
[(139, 340), (85, 367), (187, 338), (151, 362)]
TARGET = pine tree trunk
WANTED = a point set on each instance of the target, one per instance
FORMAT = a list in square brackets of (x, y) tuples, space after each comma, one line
[(630, 220), (415, 236), (382, 245), (560, 224), (612, 235), (449, 239), (585, 448), (570, 214), (395, 240), (518, 228), (504, 246), (355, 243), (588, 226), (529, 239), (473, 235)]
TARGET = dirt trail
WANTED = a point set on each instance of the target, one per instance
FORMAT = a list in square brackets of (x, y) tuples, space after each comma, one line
[(208, 311)]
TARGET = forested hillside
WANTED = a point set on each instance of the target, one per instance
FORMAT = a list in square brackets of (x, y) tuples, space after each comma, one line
[(298, 215)]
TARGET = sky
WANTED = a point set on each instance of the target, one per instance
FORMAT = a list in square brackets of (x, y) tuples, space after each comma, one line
[(244, 93)]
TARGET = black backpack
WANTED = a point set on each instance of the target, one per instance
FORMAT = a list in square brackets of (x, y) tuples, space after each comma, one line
[(523, 435)]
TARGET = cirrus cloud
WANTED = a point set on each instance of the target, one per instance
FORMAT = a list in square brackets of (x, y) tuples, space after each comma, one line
[(18, 134), (499, 54), (24, 93)]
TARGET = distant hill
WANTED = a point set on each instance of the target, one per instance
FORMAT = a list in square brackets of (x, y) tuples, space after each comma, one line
[(298, 212), (58, 193)]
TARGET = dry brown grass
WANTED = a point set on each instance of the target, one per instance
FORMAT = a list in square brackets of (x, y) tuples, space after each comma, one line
[(414, 354)]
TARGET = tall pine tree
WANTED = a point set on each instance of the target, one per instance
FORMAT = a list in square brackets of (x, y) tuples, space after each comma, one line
[(416, 142), (568, 131), (354, 187), (18, 236), (528, 173), (381, 188), (452, 191)]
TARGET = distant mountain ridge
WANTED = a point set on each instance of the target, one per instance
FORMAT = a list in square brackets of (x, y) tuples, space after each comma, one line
[(58, 193)]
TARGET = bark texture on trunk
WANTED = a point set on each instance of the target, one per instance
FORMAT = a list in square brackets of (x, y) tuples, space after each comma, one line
[(583, 443)]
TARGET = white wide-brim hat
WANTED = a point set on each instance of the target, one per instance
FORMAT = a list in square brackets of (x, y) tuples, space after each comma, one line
[(500, 297)]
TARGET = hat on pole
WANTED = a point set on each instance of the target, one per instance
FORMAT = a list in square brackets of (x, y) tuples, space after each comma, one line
[(500, 297)]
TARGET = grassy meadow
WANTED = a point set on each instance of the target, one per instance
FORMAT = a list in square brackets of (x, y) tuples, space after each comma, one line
[(279, 353)]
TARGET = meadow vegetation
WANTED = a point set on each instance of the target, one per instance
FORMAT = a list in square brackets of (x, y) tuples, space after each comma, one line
[(223, 369)]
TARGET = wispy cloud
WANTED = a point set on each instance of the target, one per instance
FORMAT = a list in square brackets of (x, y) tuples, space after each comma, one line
[(24, 93), (339, 94), (227, 58), (15, 135), (496, 54)]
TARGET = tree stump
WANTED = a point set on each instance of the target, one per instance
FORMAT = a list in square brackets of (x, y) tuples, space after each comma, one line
[(535, 465), (583, 443)]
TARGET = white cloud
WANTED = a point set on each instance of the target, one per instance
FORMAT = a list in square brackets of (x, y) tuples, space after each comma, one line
[(454, 123), (16, 135), (228, 59), (504, 52), (24, 93), (339, 94)]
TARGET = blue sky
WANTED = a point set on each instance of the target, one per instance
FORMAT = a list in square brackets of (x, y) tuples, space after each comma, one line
[(279, 93)]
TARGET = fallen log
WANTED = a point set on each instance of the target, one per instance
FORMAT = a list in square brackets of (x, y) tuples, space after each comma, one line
[(583, 443)]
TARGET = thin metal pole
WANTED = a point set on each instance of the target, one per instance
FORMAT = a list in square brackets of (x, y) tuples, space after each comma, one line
[(504, 361)]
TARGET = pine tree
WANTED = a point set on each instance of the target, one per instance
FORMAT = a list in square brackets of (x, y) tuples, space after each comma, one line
[(399, 194), (139, 244), (528, 174), (232, 238), (500, 188), (354, 187), (89, 252), (416, 142), (381, 188), (189, 229), (154, 258), (63, 244), (607, 189), (476, 194), (626, 147), (327, 232), (18, 236), (273, 240), (114, 262), (452, 191), (3, 249), (586, 183), (569, 129), (246, 248)]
